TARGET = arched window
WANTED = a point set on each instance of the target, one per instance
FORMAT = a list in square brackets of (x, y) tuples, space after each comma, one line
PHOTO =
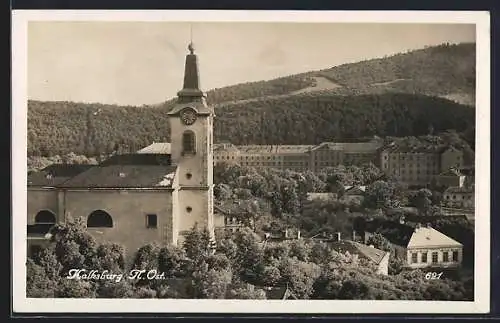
[(99, 219), (45, 216), (188, 142)]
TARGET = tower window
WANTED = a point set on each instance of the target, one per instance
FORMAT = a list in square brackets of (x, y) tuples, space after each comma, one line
[(151, 221), (188, 142), (189, 175), (189, 209)]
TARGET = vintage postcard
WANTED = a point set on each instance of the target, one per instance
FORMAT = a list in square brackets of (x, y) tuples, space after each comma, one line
[(251, 161)]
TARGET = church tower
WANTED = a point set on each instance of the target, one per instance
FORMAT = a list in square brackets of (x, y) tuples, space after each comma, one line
[(191, 136)]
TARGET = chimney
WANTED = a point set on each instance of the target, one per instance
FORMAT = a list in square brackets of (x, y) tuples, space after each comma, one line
[(353, 235), (298, 234), (338, 236), (286, 233)]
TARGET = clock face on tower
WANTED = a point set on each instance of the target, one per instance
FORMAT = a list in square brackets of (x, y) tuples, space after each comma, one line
[(188, 116)]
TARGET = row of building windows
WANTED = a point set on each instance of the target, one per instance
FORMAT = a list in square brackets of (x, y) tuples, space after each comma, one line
[(434, 257), (98, 219), (419, 158), (454, 197), (274, 164)]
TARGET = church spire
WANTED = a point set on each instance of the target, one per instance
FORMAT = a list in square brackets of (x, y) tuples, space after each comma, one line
[(191, 90)]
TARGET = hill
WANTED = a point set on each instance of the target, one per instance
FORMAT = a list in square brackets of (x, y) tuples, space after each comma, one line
[(402, 95), (447, 71), (63, 127)]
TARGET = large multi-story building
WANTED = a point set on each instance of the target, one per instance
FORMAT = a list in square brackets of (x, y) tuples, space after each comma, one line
[(299, 157), (418, 165)]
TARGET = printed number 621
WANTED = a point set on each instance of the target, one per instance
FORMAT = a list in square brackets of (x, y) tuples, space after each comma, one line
[(433, 275)]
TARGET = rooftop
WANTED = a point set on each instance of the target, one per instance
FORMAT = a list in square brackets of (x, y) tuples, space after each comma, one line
[(274, 149), (350, 147), (56, 174), (124, 176), (156, 148), (451, 172), (373, 254), (430, 237), (144, 158)]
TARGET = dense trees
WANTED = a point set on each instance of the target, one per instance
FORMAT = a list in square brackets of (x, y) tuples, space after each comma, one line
[(238, 268), (437, 71), (56, 128), (394, 96)]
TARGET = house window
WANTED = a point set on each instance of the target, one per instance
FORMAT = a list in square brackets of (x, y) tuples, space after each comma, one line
[(189, 142), (445, 256), (455, 256), (414, 257), (424, 257), (434, 257), (151, 221), (99, 219)]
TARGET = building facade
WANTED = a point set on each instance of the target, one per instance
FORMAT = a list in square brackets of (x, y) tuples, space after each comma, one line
[(459, 197), (155, 195), (418, 165), (299, 157), (430, 248)]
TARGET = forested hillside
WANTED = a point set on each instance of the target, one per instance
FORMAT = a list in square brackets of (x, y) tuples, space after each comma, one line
[(447, 70), (391, 96), (57, 128)]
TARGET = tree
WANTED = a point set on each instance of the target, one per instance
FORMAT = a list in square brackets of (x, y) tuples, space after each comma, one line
[(249, 255), (211, 283), (299, 249), (354, 289), (299, 276), (379, 194), (38, 284), (198, 245), (380, 242), (246, 292), (269, 276), (222, 192), (423, 201), (172, 261)]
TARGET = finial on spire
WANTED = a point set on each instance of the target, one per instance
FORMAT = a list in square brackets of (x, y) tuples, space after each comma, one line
[(191, 45)]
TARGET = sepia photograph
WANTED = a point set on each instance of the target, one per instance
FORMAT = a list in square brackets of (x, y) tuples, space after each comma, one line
[(251, 165)]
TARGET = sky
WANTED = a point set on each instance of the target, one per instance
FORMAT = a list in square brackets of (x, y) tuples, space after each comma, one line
[(137, 63)]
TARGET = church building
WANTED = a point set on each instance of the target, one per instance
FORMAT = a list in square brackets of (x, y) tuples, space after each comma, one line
[(139, 198)]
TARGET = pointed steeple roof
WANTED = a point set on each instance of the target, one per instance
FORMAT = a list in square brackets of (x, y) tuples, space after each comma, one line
[(191, 89), (191, 94)]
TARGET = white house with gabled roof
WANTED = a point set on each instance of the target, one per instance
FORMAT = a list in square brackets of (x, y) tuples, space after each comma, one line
[(428, 247)]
